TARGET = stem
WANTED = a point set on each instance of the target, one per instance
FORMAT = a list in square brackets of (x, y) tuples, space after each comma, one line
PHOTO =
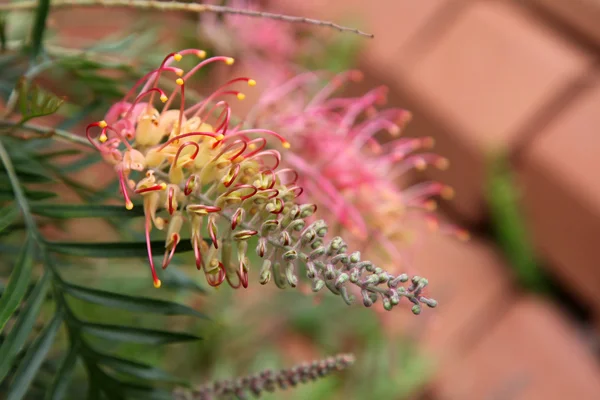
[(181, 6), (59, 133)]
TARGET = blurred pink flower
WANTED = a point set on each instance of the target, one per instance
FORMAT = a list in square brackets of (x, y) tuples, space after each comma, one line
[(345, 168), (266, 46)]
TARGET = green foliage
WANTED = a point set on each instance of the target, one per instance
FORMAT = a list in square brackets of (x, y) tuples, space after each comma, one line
[(18, 283), (508, 223), (39, 27), (35, 102), (24, 351)]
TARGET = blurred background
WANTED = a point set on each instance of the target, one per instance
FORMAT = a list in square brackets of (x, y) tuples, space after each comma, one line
[(510, 91)]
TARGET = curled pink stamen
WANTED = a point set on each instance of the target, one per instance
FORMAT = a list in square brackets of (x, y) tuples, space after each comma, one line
[(157, 282), (268, 153), (169, 253), (284, 172), (180, 149), (184, 135), (236, 170), (219, 279), (153, 188), (197, 252), (142, 95), (190, 184), (122, 180), (170, 195), (238, 188)]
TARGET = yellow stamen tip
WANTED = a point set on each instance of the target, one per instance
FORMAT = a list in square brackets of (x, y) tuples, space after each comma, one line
[(464, 236), (219, 137), (251, 146), (129, 205), (286, 145), (177, 57), (230, 61), (103, 138), (443, 163), (179, 72), (447, 193), (164, 98), (102, 124), (157, 283), (201, 54), (179, 81), (241, 96), (251, 82), (163, 186)]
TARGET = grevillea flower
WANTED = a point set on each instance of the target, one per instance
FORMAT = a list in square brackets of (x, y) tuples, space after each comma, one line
[(342, 164), (266, 46), (194, 169)]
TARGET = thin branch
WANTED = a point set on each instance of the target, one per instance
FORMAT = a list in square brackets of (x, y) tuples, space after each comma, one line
[(180, 6), (49, 132)]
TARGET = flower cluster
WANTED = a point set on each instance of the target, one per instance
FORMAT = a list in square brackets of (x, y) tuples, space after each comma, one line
[(267, 381), (343, 164), (192, 166)]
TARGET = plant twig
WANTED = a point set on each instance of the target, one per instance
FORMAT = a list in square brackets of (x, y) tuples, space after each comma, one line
[(181, 6), (49, 132)]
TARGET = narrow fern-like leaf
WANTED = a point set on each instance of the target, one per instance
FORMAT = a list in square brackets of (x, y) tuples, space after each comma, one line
[(17, 336), (114, 249), (65, 211), (33, 359), (130, 303), (18, 283), (122, 333), (63, 376), (8, 215), (135, 369)]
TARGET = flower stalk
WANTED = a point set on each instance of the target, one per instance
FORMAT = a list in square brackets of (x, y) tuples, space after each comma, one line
[(267, 381)]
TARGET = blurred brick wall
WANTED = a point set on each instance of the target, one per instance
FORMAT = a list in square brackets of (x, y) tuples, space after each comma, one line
[(520, 76)]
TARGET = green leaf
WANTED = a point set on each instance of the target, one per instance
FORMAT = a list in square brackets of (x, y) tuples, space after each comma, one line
[(177, 279), (80, 164), (60, 385), (8, 215), (114, 249), (57, 154), (34, 358), (121, 333), (34, 102), (130, 303), (18, 283), (85, 211), (24, 324), (7, 194), (135, 369), (29, 177), (507, 222), (39, 27)]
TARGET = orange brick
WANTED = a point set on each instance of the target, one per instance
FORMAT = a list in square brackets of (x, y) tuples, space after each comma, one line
[(562, 195), (472, 286), (532, 353), (483, 80), (580, 15)]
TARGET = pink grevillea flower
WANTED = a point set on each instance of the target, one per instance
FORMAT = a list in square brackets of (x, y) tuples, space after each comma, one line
[(342, 164), (192, 168), (266, 46)]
